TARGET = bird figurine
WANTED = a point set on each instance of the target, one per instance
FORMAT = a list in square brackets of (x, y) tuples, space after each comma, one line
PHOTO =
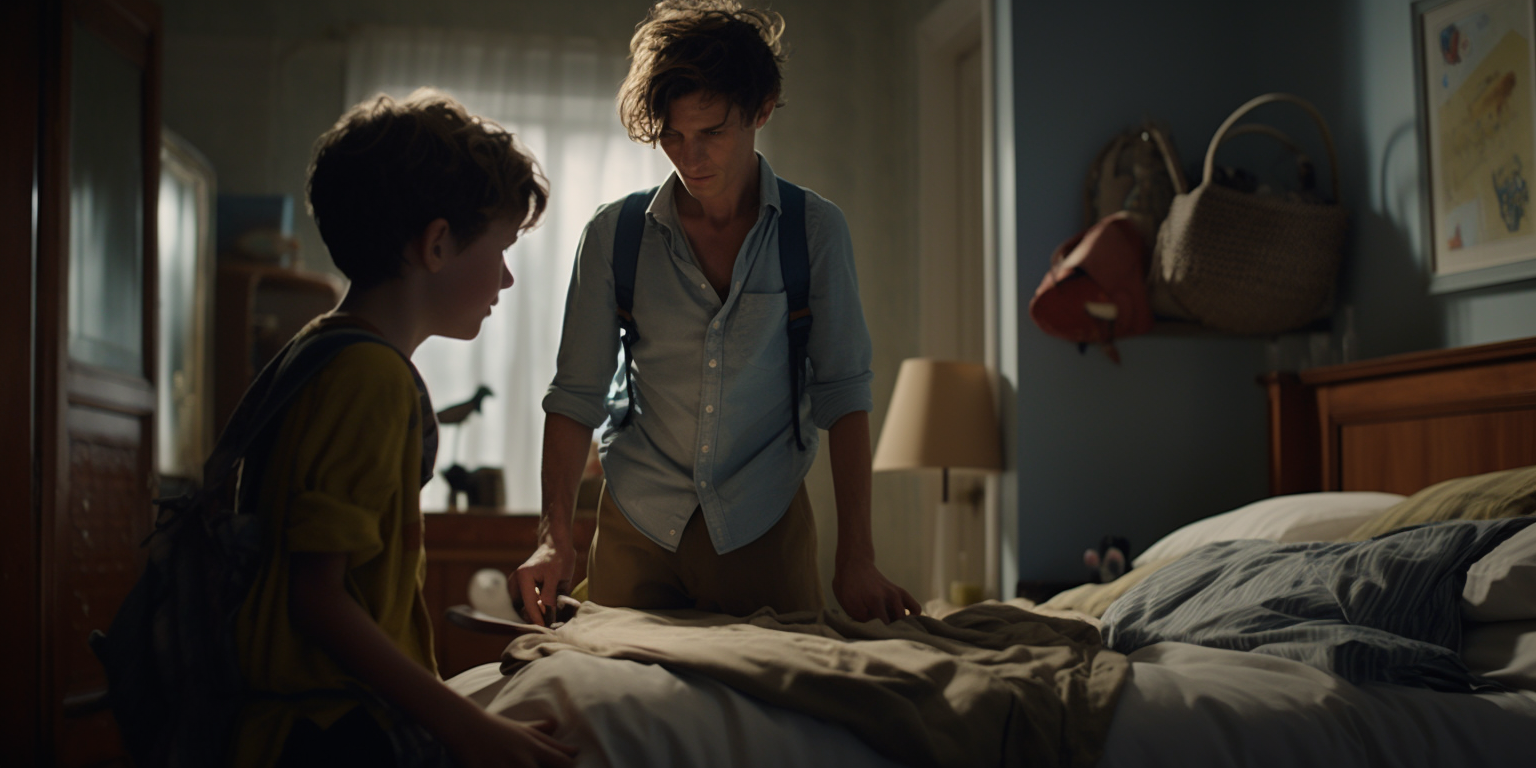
[(454, 414)]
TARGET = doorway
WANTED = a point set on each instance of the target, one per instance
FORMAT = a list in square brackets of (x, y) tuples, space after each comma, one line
[(956, 306)]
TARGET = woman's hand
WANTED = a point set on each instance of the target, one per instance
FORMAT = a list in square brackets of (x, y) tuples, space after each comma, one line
[(542, 578), (865, 593)]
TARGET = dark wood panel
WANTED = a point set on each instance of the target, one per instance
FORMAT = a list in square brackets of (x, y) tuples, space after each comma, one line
[(94, 429), (108, 389), (124, 24), (53, 191), (257, 308), (1406, 456), (90, 740), (1466, 389), (21, 51), (1405, 422), (97, 556), (1293, 441), (1418, 362)]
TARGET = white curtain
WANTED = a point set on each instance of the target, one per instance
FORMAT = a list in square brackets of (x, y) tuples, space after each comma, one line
[(557, 96)]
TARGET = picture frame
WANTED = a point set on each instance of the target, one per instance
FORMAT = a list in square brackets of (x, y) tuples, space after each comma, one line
[(1475, 88), (184, 411)]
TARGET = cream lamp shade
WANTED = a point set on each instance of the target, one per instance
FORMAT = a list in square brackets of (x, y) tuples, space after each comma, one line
[(941, 417)]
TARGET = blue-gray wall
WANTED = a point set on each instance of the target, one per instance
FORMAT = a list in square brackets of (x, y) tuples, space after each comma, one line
[(1177, 431)]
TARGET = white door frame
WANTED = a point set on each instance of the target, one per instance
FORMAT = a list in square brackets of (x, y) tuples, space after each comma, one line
[(953, 30)]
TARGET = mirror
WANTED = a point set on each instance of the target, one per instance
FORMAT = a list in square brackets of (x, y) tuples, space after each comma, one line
[(185, 429)]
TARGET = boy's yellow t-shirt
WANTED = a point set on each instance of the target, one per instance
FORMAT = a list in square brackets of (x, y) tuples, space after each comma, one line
[(343, 475)]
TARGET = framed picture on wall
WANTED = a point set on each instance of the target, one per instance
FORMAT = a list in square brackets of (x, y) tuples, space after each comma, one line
[(1476, 89)]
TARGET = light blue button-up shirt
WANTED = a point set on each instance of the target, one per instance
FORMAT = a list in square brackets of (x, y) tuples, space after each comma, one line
[(711, 428)]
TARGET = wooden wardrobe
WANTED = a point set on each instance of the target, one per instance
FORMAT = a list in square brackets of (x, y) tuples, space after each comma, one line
[(79, 174)]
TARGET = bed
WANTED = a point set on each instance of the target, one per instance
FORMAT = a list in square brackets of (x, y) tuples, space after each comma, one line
[(1353, 446)]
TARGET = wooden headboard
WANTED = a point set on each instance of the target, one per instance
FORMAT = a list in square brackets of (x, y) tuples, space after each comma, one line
[(1404, 422)]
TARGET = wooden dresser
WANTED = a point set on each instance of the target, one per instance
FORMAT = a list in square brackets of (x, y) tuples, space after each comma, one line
[(461, 543)]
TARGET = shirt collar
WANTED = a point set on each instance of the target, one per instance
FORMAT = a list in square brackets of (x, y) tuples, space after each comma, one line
[(663, 207)]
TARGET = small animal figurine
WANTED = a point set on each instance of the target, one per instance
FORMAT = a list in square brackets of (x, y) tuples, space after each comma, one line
[(1111, 560), (461, 481), (454, 414)]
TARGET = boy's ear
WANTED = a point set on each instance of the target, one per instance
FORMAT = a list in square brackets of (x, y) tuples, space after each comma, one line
[(431, 249)]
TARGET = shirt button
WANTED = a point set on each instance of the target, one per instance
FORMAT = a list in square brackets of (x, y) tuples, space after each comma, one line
[(672, 532), (706, 449), (713, 363), (703, 483), (703, 286), (716, 324), (709, 409)]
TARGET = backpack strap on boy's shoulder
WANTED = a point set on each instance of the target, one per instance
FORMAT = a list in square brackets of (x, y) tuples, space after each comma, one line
[(282, 378), (795, 265), (626, 258)]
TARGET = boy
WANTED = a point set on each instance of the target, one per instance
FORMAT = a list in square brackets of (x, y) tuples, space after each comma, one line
[(704, 504), (416, 201)]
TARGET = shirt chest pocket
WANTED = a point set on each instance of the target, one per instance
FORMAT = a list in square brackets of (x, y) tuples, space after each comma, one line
[(756, 334)]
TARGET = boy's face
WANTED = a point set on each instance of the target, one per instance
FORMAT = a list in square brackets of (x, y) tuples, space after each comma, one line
[(710, 145), (471, 279)]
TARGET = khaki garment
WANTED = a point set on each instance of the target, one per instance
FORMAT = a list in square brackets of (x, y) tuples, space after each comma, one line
[(989, 685), (625, 569)]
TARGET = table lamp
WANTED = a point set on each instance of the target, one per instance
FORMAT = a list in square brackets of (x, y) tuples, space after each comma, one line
[(942, 417)]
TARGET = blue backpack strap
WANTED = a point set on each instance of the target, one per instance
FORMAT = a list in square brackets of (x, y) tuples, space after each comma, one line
[(795, 264), (626, 257)]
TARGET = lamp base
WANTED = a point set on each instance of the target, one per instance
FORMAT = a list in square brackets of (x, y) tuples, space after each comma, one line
[(964, 593)]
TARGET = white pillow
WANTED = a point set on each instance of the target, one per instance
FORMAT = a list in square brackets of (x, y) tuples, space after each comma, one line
[(1504, 651), (1502, 585), (1298, 517)]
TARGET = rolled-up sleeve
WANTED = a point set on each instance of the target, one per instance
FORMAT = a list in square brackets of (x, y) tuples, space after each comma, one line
[(356, 419), (839, 349), (589, 338)]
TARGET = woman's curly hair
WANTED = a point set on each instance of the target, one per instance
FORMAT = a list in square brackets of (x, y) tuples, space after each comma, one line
[(387, 169), (686, 46)]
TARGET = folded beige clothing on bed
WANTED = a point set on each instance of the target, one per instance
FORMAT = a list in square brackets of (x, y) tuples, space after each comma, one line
[(990, 684)]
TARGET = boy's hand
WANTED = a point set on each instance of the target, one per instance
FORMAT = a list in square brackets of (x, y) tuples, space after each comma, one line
[(543, 578), (489, 741)]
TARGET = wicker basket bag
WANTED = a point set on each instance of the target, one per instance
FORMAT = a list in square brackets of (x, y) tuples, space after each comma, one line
[(1249, 263)]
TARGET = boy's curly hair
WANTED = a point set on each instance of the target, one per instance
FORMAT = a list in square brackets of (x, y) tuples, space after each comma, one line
[(387, 169), (685, 46)]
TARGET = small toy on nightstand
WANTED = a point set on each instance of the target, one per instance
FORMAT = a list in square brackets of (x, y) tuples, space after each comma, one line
[(1111, 560)]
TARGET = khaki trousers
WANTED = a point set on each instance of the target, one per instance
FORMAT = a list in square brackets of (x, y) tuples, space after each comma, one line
[(625, 569)]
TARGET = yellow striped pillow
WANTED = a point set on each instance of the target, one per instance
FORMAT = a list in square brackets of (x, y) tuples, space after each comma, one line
[(1507, 493)]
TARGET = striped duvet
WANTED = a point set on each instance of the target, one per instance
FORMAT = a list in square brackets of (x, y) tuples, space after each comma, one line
[(1384, 610)]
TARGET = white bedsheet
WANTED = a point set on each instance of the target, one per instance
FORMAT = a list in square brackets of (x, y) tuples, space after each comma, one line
[(1188, 706), (1184, 707), (623, 713)]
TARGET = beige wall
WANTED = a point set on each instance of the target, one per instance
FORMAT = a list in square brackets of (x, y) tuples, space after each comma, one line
[(252, 84)]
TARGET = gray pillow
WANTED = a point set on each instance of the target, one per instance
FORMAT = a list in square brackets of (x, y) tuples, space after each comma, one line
[(1384, 610)]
